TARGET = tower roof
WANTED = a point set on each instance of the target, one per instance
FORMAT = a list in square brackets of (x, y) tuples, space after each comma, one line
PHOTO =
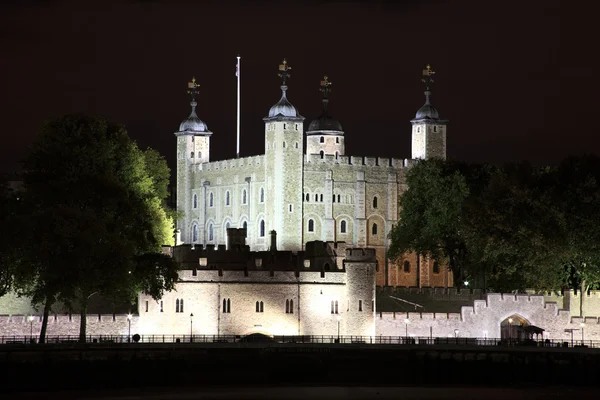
[(192, 123), (325, 123), (427, 112), (283, 108)]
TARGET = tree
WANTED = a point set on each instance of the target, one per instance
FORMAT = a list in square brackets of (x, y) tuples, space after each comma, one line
[(431, 215), (105, 200)]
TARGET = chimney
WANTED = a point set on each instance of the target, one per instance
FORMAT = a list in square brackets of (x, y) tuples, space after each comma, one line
[(273, 247)]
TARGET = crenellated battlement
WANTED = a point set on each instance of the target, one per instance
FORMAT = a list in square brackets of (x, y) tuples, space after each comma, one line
[(360, 254), (357, 161), (243, 162)]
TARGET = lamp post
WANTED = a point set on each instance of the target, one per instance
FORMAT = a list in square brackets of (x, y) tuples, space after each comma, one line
[(339, 318), (129, 316), (510, 320), (582, 325), (31, 318), (191, 326), (406, 322), (455, 333)]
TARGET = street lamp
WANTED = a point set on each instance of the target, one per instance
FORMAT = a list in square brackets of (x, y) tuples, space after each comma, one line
[(31, 318), (455, 333), (191, 322), (406, 322), (339, 318), (129, 316), (510, 320), (582, 325)]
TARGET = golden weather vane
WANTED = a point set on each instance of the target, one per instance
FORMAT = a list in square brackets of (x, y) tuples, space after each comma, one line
[(193, 88), (427, 76), (325, 83), (284, 69)]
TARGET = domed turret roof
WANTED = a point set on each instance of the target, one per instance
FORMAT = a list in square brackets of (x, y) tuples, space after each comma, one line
[(427, 111), (283, 108), (325, 123), (193, 123)]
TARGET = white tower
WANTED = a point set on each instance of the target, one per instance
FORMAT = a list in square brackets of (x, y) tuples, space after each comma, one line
[(193, 147), (284, 165), (428, 130), (325, 135)]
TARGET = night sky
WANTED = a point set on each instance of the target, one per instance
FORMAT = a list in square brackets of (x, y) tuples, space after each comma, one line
[(515, 79)]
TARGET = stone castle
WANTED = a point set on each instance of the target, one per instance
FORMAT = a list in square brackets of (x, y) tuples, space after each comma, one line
[(288, 243)]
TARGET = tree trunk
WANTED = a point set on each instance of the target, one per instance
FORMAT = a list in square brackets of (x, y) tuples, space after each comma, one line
[(83, 320), (581, 295), (47, 307)]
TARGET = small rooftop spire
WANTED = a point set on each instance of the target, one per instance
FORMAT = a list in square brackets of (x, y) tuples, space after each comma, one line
[(193, 91), (284, 74), (428, 80), (325, 83)]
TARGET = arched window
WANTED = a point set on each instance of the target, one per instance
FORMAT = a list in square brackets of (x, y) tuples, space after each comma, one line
[(334, 198), (311, 225), (195, 201), (336, 307), (227, 226), (260, 306), (406, 266), (257, 306), (322, 153), (210, 199), (336, 155), (321, 139), (316, 197), (307, 197), (194, 233), (224, 305), (192, 154), (296, 144), (291, 306), (343, 226), (245, 225), (228, 305), (177, 305), (436, 267), (227, 200), (262, 228), (375, 202), (262, 195), (332, 307), (181, 305), (435, 128), (287, 306), (321, 198), (337, 139), (374, 230), (210, 232), (244, 199), (338, 198)]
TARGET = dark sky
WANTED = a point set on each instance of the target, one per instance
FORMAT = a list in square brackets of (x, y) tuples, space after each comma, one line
[(515, 79)]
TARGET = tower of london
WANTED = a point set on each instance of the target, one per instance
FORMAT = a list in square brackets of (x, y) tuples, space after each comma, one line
[(304, 187)]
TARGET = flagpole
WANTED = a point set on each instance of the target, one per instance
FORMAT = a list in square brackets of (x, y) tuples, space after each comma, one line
[(238, 106)]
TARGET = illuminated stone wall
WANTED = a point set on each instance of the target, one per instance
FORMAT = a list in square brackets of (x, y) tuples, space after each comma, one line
[(332, 144)]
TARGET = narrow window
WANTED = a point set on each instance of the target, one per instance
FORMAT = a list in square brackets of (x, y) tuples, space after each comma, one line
[(224, 305), (360, 305), (435, 128), (192, 154), (316, 197), (336, 155), (210, 232), (373, 305), (296, 144), (418, 130), (210, 199), (228, 305), (338, 198), (181, 305), (245, 225), (321, 198), (336, 306), (291, 306), (262, 307), (227, 198), (322, 153), (296, 126), (332, 307), (284, 126), (257, 306), (284, 145), (322, 139), (194, 272), (343, 226), (262, 228), (334, 198), (337, 139), (436, 267), (146, 305), (244, 199), (287, 306), (374, 229), (161, 306), (194, 233), (311, 225), (177, 305), (291, 207), (406, 266), (199, 154), (195, 201), (262, 195), (307, 197), (375, 202)]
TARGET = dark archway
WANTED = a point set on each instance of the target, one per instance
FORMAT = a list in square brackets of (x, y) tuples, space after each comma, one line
[(513, 328)]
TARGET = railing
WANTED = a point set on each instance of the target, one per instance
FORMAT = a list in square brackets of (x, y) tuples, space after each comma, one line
[(301, 339)]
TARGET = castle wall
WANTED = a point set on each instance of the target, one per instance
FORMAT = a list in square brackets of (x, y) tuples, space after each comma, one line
[(64, 325)]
